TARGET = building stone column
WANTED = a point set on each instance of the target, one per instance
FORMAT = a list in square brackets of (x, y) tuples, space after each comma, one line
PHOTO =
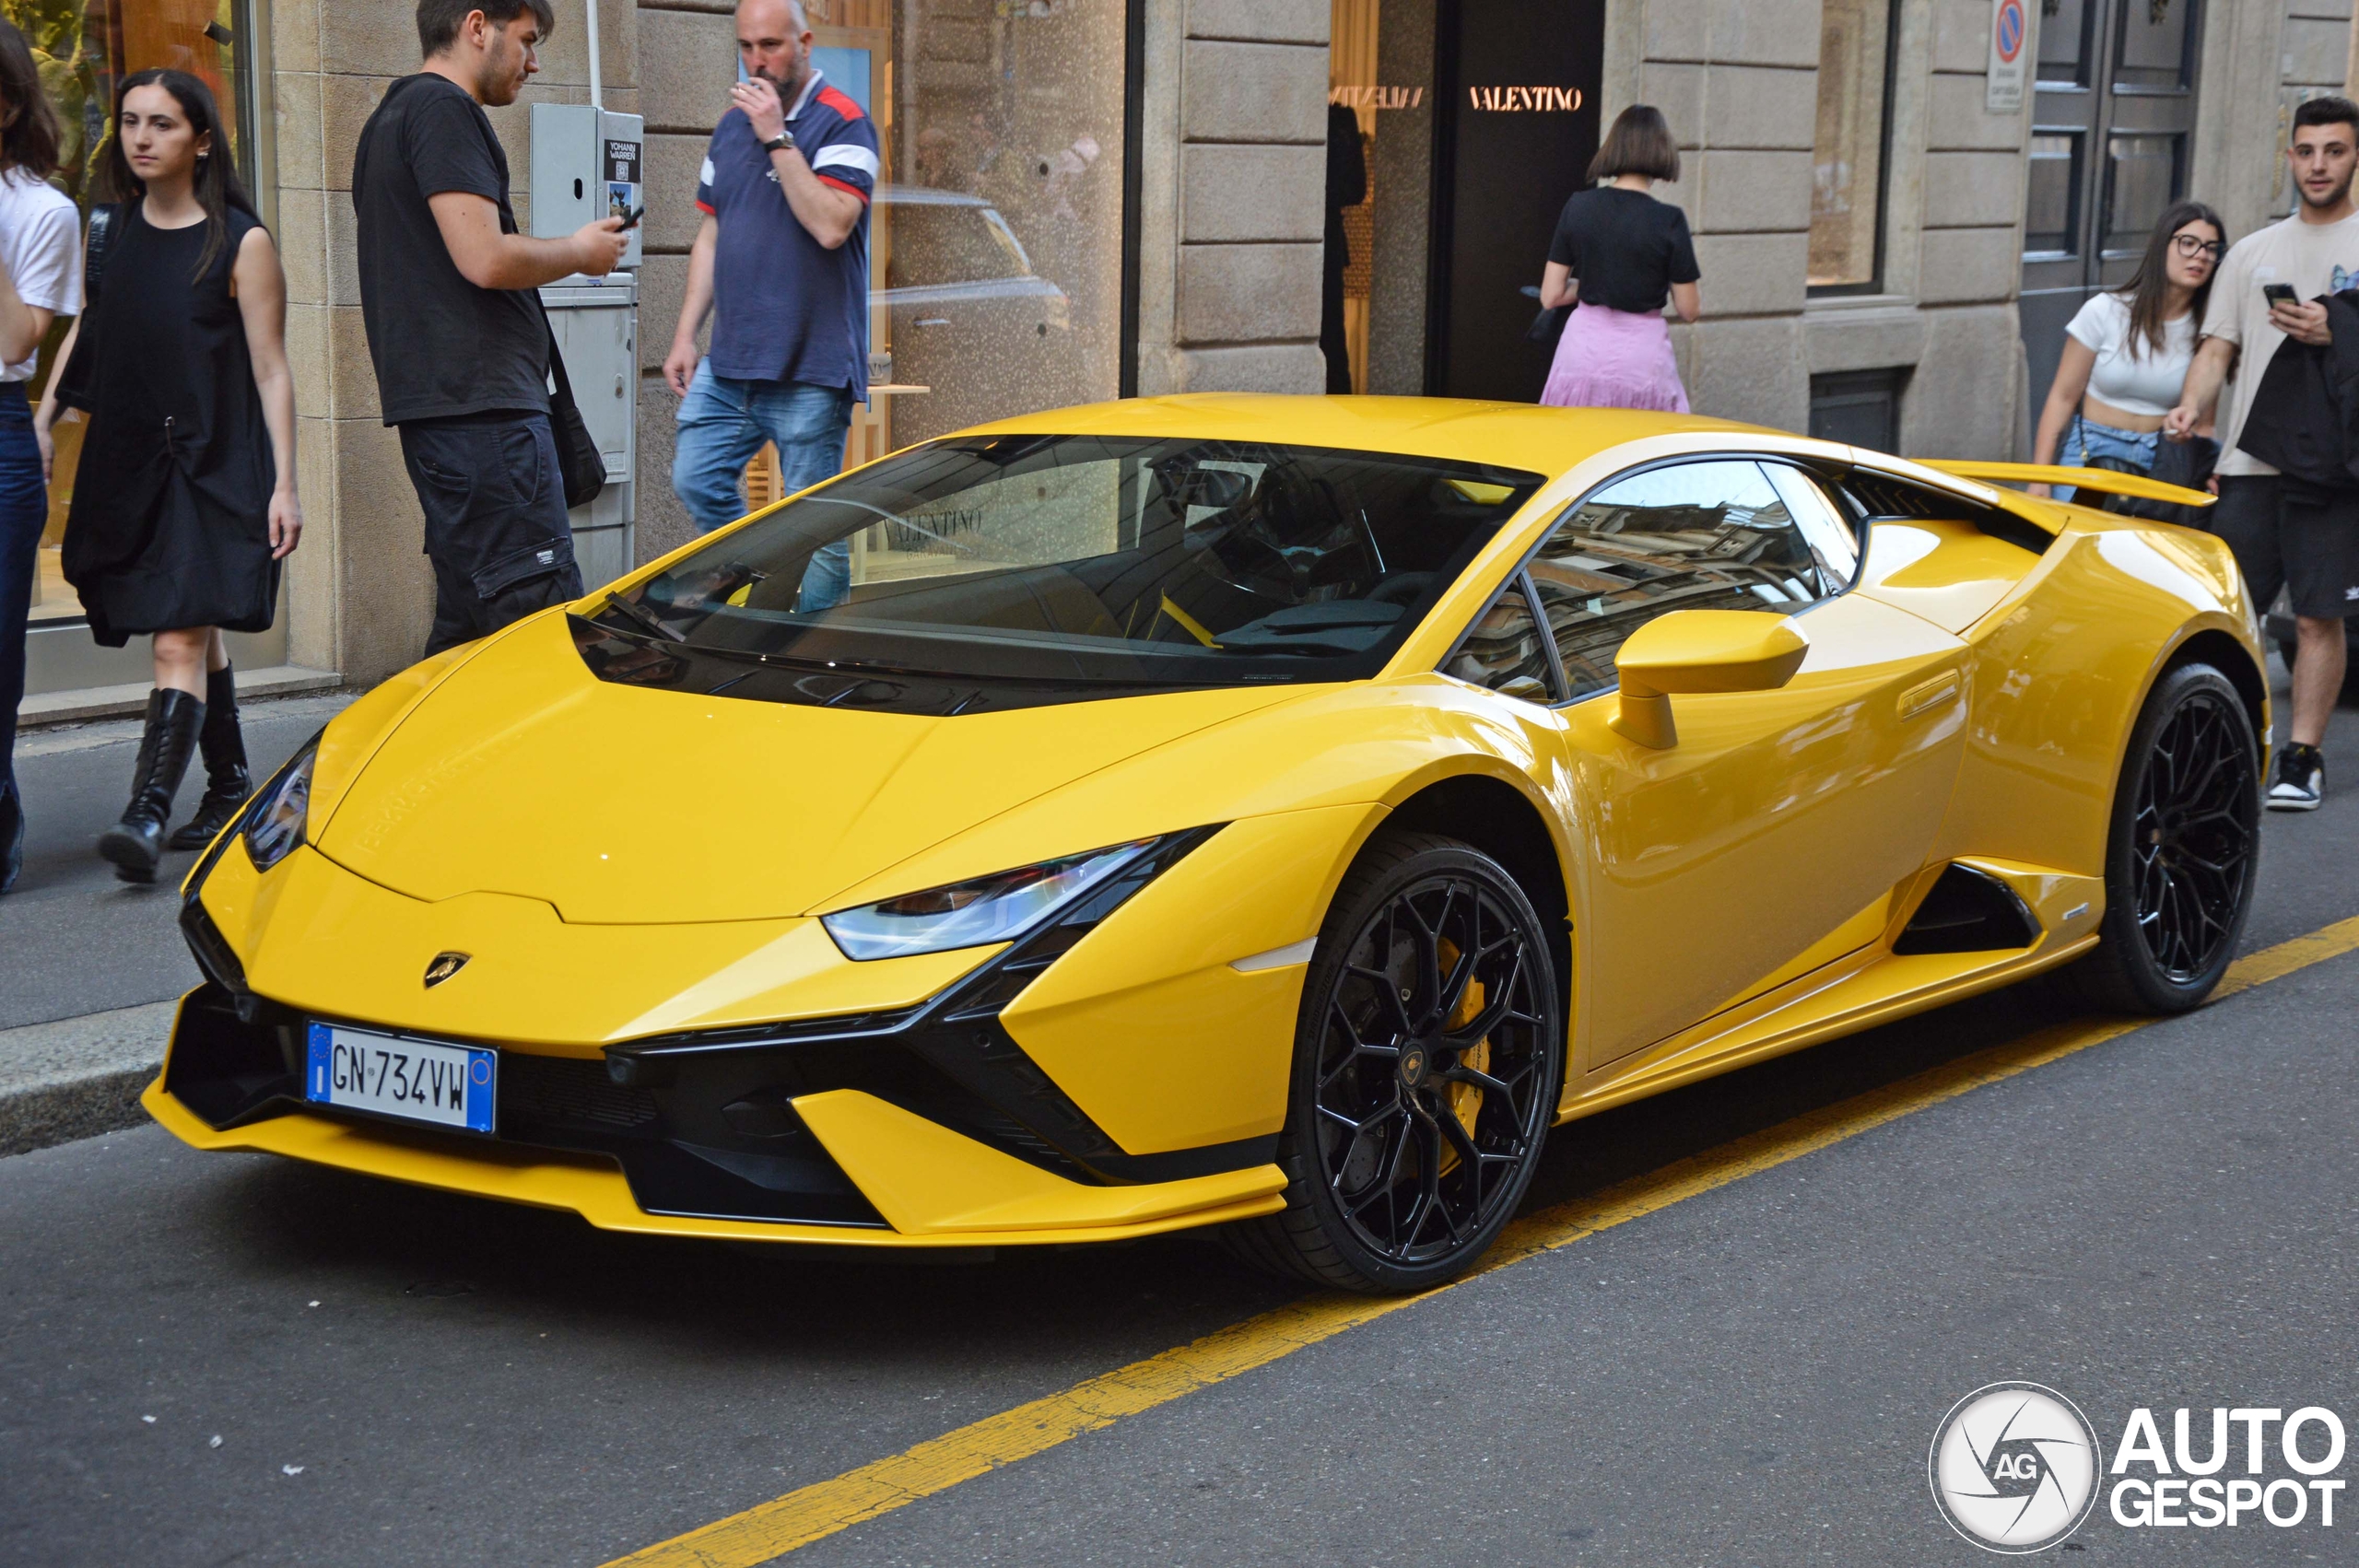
[(1231, 222)]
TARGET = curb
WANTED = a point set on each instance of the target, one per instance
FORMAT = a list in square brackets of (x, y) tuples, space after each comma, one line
[(78, 1077), (90, 702), (60, 1113)]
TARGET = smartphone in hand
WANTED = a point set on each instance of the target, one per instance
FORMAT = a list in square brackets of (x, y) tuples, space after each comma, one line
[(2279, 294)]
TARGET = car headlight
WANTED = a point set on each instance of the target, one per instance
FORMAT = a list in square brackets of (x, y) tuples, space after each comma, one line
[(277, 817), (999, 907)]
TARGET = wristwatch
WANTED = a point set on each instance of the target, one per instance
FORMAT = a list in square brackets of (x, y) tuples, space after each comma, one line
[(782, 142)]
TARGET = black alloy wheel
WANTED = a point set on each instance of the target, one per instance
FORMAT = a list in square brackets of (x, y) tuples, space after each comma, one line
[(1427, 1061), (2185, 848)]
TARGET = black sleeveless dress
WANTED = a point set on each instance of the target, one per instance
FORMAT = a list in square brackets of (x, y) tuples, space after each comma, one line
[(170, 525)]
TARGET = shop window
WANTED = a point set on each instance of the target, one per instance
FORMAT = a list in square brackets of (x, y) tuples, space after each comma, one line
[(2052, 195), (2064, 41), (995, 238), (82, 49), (1849, 155), (2144, 175), (1860, 408)]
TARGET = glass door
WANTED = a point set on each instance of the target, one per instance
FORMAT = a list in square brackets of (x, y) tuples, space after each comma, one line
[(2113, 114)]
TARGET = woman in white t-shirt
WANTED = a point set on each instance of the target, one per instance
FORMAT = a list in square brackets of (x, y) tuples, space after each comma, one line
[(40, 279), (2126, 353)]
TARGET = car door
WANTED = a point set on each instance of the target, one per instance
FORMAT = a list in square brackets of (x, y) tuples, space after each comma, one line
[(1768, 838)]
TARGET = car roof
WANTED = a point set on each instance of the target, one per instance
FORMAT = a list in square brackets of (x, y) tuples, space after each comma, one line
[(1507, 435)]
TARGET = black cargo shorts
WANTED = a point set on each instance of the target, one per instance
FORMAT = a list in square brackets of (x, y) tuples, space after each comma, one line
[(496, 527)]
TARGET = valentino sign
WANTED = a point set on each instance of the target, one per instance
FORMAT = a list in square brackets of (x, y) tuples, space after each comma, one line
[(1546, 100)]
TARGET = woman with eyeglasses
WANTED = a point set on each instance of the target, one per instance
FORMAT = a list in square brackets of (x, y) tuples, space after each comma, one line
[(2127, 351)]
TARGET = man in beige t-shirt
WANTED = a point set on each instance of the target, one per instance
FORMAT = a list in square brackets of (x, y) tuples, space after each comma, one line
[(2303, 543)]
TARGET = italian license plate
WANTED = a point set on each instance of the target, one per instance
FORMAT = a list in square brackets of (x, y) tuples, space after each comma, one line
[(416, 1079)]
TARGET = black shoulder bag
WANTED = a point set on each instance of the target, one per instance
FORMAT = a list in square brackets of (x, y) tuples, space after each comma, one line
[(74, 390), (578, 458)]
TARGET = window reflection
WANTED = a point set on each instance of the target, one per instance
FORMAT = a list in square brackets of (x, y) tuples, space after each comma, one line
[(1847, 166), (1698, 536)]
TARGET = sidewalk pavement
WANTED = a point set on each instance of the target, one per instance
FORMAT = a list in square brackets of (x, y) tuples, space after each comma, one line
[(78, 1077), (91, 968)]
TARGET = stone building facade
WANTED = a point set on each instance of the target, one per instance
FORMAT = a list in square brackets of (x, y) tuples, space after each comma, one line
[(1187, 215)]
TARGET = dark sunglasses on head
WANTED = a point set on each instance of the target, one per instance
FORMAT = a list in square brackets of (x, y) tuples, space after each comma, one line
[(2189, 246)]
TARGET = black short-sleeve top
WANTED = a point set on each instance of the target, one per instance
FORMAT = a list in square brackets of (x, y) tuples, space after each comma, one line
[(1627, 248)]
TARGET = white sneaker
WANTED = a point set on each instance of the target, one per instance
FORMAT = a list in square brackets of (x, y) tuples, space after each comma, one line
[(2300, 783)]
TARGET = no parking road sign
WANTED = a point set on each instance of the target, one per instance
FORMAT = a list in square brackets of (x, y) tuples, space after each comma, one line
[(2009, 31)]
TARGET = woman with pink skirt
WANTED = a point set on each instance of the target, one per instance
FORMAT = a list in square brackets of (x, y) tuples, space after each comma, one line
[(1618, 256)]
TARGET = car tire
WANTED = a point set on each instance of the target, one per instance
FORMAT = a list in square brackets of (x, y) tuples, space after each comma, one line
[(1415, 1121), (2176, 903)]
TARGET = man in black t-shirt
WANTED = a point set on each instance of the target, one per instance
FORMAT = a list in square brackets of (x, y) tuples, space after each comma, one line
[(455, 329)]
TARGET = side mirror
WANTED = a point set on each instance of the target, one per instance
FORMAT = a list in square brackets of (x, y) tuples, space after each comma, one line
[(1699, 651)]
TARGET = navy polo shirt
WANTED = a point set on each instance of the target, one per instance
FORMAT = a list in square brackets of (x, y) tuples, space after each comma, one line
[(785, 307)]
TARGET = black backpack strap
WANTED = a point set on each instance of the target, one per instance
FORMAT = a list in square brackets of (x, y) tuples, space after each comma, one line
[(94, 249)]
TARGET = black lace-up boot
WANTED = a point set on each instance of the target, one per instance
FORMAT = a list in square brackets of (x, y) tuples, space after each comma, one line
[(136, 843), (227, 783)]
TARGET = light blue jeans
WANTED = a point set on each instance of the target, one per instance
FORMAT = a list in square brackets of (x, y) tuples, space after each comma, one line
[(2085, 439), (723, 422)]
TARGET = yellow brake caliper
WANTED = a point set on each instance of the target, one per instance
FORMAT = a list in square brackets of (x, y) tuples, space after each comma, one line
[(1466, 1099)]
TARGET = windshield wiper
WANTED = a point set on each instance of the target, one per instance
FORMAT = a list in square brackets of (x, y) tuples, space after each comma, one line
[(647, 618)]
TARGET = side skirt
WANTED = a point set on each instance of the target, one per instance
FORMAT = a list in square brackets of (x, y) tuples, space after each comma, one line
[(1871, 986)]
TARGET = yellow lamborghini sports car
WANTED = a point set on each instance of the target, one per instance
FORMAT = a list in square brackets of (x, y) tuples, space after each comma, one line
[(1267, 814)]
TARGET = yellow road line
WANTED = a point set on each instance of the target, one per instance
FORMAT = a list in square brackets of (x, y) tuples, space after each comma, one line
[(774, 1528)]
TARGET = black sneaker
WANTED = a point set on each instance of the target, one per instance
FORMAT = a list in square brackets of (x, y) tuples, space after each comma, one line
[(2300, 783)]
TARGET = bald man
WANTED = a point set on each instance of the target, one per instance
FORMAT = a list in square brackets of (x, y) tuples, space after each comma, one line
[(780, 263)]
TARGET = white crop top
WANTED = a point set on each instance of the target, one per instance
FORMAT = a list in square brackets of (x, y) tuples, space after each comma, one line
[(2147, 381)]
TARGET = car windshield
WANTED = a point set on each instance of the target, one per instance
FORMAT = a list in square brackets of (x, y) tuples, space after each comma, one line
[(1071, 563)]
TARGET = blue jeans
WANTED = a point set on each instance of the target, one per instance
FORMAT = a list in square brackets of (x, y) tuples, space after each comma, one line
[(723, 422), (24, 511), (2085, 439)]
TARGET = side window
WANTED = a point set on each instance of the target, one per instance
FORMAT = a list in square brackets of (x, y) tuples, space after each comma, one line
[(1503, 650), (1713, 535), (1822, 522)]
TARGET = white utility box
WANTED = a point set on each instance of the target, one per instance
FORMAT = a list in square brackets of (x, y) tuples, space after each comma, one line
[(586, 165), (597, 332)]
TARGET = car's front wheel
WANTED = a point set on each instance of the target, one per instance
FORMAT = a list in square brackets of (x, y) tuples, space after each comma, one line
[(2183, 851), (1429, 1056)]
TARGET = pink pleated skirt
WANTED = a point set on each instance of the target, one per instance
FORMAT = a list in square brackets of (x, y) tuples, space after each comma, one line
[(1616, 359)]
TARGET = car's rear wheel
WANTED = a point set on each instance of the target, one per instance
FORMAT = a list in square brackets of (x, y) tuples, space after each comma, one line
[(2183, 851), (1428, 1060)]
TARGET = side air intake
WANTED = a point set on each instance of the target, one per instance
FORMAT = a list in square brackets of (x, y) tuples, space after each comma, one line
[(1968, 911)]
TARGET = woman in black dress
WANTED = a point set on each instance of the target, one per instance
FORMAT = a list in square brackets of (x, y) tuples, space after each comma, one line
[(184, 497)]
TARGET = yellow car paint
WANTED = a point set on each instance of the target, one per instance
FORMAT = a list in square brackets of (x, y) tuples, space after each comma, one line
[(625, 863), (329, 943), (1819, 794), (595, 1189), (929, 1181), (1699, 651), (813, 799), (1167, 1045), (2111, 481)]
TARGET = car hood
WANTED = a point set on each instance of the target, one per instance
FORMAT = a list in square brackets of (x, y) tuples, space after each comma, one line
[(522, 774)]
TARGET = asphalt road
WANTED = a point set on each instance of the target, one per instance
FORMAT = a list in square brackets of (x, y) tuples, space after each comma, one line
[(73, 940), (1750, 1376)]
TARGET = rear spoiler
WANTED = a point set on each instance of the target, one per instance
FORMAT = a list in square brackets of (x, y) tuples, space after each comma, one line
[(2101, 479)]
